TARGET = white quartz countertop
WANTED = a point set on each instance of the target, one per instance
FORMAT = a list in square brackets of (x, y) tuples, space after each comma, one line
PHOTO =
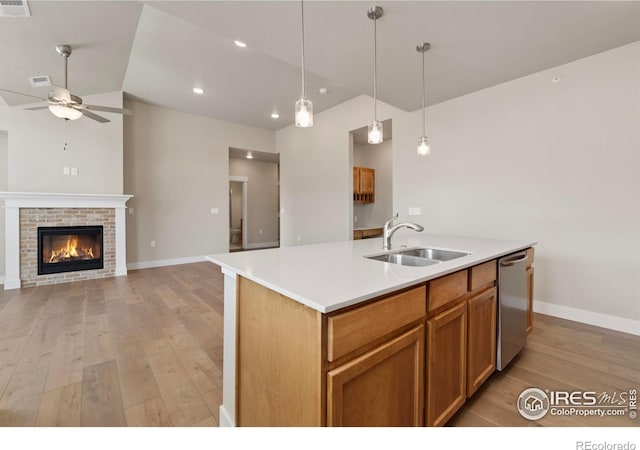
[(331, 276)]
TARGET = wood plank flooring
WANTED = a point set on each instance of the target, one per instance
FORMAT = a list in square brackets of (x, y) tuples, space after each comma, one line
[(142, 350), (146, 350)]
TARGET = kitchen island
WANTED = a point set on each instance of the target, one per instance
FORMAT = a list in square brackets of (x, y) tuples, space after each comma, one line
[(310, 329)]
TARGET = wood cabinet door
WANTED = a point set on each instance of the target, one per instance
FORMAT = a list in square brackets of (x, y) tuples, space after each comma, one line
[(356, 180), (383, 387), (367, 181), (530, 272), (446, 364), (481, 339)]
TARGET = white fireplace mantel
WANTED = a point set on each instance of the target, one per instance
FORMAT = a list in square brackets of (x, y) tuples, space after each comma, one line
[(13, 201)]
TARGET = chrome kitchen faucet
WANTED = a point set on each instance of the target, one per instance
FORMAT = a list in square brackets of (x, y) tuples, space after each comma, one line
[(390, 228)]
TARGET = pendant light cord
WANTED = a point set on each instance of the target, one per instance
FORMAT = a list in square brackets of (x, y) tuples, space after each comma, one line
[(302, 39), (424, 118), (375, 69)]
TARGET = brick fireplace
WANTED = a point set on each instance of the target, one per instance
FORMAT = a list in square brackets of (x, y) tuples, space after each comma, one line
[(44, 229)]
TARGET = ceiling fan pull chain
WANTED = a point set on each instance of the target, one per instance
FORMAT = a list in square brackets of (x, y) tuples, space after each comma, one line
[(64, 134)]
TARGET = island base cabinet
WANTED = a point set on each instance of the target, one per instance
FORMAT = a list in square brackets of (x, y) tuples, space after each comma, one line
[(383, 387), (446, 364), (481, 339)]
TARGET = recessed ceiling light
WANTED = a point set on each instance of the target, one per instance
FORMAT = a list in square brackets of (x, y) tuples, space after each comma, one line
[(197, 90), (240, 43), (323, 90), (249, 155), (275, 115)]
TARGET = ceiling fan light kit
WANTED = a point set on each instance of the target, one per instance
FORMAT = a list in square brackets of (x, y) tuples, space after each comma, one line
[(65, 105)]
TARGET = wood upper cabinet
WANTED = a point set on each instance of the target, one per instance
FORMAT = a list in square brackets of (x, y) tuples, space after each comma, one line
[(530, 275), (446, 364), (383, 387), (364, 186), (481, 339)]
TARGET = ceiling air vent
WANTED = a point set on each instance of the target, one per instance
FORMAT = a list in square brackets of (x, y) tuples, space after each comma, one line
[(14, 8), (42, 80)]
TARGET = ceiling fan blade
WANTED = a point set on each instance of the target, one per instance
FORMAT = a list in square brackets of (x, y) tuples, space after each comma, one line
[(128, 112), (26, 95), (93, 116), (35, 108)]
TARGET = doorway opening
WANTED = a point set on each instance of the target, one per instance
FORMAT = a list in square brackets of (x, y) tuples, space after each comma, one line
[(254, 199), (372, 194)]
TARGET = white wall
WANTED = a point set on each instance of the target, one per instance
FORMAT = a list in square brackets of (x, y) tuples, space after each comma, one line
[(4, 149), (177, 167), (262, 198), (377, 157), (556, 163), (37, 153), (316, 178), (527, 159)]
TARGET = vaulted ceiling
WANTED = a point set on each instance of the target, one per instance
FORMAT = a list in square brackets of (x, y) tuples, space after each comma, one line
[(156, 52)]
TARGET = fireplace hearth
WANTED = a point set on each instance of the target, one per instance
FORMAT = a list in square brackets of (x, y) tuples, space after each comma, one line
[(69, 249)]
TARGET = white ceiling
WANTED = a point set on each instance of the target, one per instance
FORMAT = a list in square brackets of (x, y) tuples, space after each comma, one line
[(157, 51)]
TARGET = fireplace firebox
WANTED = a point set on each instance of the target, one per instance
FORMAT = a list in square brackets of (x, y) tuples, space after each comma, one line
[(69, 249)]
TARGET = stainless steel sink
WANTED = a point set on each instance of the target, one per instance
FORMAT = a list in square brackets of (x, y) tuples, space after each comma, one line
[(418, 257), (433, 253), (404, 260)]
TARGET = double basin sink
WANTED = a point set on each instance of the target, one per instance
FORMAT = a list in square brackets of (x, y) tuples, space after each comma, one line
[(418, 257)]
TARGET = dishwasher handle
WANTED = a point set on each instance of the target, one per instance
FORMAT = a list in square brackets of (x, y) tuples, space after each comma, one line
[(512, 262)]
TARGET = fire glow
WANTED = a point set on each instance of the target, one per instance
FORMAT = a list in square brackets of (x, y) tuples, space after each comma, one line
[(71, 252)]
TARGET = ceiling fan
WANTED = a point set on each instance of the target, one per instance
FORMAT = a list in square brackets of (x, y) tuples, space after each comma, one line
[(62, 103)]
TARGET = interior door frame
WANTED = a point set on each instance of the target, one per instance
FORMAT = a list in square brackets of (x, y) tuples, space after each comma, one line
[(245, 217)]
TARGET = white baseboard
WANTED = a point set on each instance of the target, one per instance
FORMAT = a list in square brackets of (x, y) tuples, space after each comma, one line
[(165, 262), (12, 284), (592, 318), (225, 420), (260, 245)]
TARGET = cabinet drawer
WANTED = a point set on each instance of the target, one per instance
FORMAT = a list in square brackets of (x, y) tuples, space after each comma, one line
[(482, 274), (351, 330), (446, 289)]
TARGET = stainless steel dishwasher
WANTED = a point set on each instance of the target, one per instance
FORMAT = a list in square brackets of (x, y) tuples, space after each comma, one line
[(512, 307)]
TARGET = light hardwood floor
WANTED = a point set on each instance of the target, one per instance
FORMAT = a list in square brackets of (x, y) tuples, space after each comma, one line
[(141, 350), (146, 350)]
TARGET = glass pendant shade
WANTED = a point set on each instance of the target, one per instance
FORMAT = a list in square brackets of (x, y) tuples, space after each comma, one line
[(65, 112), (424, 148), (304, 112), (374, 136)]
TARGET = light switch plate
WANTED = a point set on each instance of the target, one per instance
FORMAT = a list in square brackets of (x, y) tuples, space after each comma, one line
[(66, 171), (214, 210), (416, 211), (74, 171)]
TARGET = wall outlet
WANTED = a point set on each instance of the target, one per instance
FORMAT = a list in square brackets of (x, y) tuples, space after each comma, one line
[(215, 210), (130, 210), (355, 219), (66, 171), (153, 243), (415, 211), (299, 239), (74, 171), (260, 231)]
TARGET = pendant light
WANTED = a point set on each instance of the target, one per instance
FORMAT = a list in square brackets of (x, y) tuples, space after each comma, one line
[(374, 135), (424, 148), (304, 106)]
